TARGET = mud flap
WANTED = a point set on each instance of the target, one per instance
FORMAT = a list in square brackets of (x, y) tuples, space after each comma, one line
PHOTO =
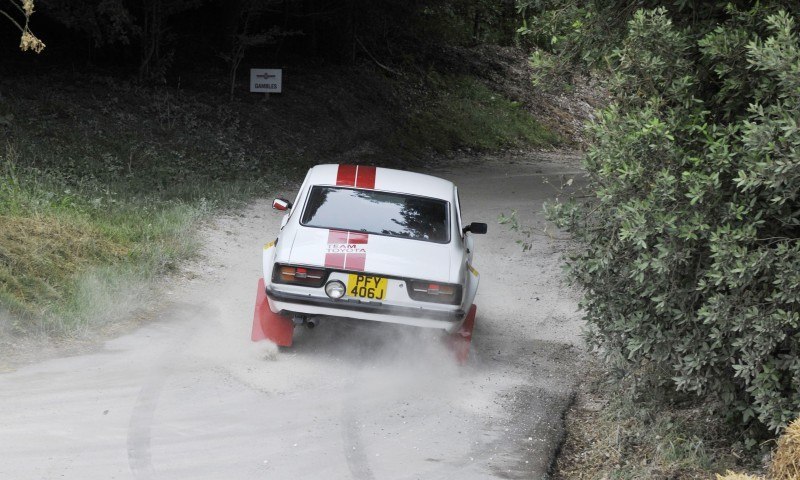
[(461, 340), (268, 325)]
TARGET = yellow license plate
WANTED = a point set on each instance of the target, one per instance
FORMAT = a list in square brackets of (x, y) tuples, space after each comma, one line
[(366, 286)]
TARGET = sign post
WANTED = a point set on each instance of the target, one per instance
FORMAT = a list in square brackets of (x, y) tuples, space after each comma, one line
[(266, 80)]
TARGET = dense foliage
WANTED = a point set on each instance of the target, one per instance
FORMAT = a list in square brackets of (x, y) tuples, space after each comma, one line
[(691, 259), (569, 37)]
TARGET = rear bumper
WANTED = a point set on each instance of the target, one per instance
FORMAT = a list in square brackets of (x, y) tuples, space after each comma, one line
[(284, 302)]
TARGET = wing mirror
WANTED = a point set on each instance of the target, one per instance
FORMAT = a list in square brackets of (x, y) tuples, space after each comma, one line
[(476, 228), (281, 204)]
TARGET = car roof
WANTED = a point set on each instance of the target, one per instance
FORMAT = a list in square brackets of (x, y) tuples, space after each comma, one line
[(388, 179)]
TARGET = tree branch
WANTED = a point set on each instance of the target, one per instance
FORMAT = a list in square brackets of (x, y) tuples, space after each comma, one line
[(18, 7), (376, 60), (13, 21)]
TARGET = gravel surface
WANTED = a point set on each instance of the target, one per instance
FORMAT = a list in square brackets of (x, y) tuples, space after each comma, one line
[(189, 396)]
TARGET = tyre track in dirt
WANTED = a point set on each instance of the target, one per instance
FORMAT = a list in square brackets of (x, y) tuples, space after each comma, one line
[(354, 452), (143, 413), (139, 431)]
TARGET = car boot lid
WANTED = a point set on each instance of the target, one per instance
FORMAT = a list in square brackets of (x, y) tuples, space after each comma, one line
[(371, 253)]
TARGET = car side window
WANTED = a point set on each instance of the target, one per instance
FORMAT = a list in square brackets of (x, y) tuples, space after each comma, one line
[(295, 205), (458, 214)]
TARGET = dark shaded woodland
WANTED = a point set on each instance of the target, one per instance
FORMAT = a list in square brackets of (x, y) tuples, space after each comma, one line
[(160, 40)]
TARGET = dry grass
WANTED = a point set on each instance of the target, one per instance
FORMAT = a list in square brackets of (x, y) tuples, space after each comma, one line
[(786, 460), (73, 254), (785, 463), (41, 254), (729, 475)]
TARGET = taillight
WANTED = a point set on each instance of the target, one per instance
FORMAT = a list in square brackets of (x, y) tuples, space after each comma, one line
[(310, 277), (434, 292)]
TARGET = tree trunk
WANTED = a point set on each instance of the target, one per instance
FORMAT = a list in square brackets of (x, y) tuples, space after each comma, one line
[(151, 38), (476, 25), (351, 24)]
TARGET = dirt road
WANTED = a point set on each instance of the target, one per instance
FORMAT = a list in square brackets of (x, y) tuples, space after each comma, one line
[(189, 396)]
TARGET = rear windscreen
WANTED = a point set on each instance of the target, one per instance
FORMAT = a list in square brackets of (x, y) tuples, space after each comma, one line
[(382, 213)]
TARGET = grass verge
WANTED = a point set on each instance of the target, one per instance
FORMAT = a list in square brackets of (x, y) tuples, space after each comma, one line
[(102, 187), (74, 254)]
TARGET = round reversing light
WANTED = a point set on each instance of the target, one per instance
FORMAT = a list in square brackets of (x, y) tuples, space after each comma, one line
[(335, 289)]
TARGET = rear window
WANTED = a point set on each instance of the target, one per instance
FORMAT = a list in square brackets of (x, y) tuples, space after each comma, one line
[(381, 213)]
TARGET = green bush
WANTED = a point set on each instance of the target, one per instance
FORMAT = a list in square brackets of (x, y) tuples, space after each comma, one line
[(690, 259), (568, 36)]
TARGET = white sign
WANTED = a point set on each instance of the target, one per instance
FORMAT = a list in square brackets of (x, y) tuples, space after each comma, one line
[(266, 80)]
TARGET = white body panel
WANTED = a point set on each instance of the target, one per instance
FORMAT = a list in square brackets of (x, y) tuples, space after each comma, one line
[(384, 255), (397, 259)]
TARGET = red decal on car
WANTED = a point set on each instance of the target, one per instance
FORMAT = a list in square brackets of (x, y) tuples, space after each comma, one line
[(337, 236), (360, 176), (346, 250), (358, 238), (346, 176), (365, 177), (335, 260), (355, 261)]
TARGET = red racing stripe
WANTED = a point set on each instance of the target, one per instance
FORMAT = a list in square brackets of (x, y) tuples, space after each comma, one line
[(346, 260), (358, 238), (337, 236), (365, 177), (335, 260), (346, 176), (355, 261)]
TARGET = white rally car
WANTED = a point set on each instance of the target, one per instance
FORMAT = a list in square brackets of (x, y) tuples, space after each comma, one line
[(373, 244)]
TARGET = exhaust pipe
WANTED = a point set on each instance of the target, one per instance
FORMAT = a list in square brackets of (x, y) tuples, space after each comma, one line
[(311, 323)]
